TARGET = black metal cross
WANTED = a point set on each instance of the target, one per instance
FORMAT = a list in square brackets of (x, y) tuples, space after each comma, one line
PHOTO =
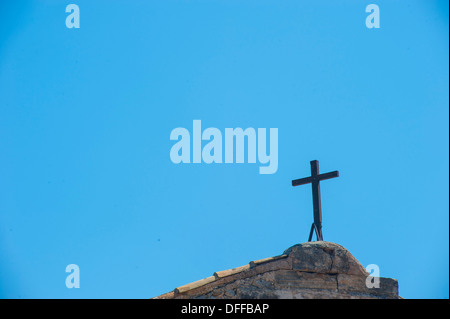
[(315, 179)]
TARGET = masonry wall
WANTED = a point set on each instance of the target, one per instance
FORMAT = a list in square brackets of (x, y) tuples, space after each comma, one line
[(312, 270)]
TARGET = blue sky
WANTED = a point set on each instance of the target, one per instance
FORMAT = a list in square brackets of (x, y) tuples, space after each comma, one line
[(86, 114)]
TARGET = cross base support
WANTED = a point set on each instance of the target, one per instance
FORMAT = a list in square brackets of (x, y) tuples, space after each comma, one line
[(314, 227)]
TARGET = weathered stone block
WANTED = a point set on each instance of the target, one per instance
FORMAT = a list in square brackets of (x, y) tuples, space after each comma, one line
[(303, 280), (350, 283), (324, 257)]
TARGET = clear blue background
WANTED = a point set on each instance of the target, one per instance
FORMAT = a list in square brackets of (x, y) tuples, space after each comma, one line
[(86, 114)]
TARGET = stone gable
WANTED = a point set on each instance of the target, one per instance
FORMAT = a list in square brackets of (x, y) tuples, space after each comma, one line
[(313, 270)]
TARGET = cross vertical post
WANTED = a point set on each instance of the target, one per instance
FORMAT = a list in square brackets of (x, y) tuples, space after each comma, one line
[(317, 205)]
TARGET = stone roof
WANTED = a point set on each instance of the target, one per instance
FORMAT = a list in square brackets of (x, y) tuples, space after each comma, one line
[(309, 270)]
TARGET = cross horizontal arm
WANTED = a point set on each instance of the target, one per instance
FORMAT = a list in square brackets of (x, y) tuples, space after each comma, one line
[(329, 175), (302, 181), (320, 177)]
